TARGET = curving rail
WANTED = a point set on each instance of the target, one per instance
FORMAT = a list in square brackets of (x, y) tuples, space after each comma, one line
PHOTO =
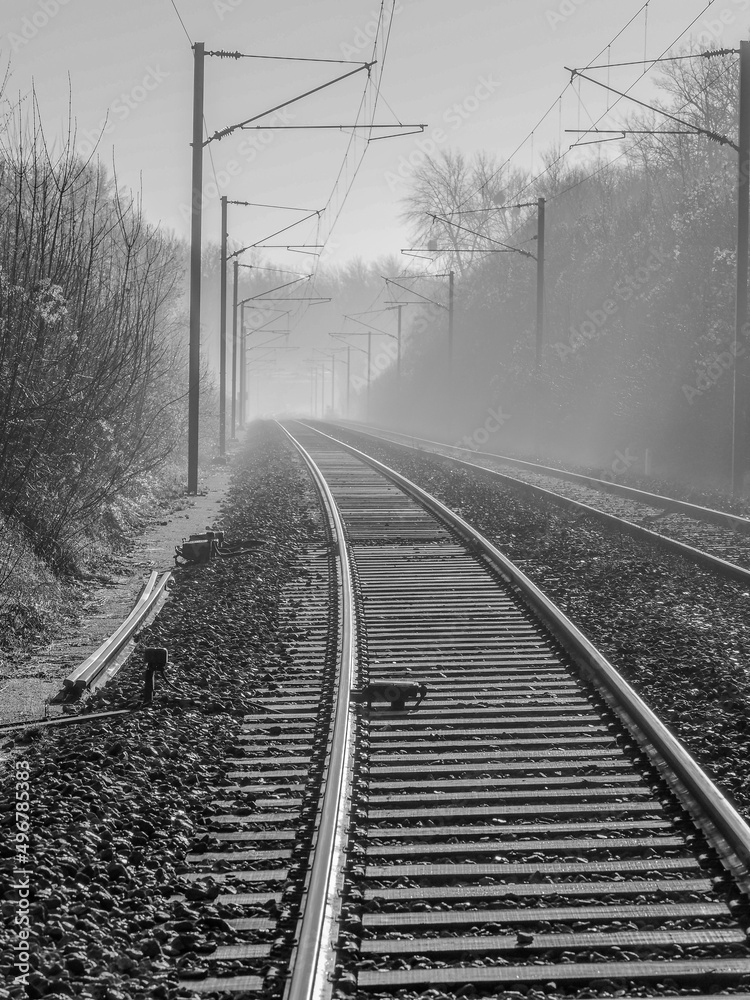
[(423, 573), (531, 825), (312, 962)]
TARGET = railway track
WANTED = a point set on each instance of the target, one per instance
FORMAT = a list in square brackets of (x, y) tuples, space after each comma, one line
[(715, 539), (529, 829)]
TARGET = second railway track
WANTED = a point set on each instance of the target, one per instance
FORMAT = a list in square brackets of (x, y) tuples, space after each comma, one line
[(715, 539)]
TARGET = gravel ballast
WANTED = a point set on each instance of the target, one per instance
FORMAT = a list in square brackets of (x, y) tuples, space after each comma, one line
[(115, 806)]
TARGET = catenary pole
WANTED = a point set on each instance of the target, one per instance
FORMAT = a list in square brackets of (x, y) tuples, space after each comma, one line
[(235, 279), (398, 352), (740, 400), (223, 333), (243, 369), (450, 319), (540, 282), (194, 371), (348, 383), (369, 373)]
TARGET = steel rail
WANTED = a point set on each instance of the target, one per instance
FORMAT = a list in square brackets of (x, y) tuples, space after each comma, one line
[(704, 801), (715, 563), (699, 513), (90, 672), (314, 953)]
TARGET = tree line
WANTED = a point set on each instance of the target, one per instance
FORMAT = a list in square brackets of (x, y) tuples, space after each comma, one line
[(639, 349), (92, 353)]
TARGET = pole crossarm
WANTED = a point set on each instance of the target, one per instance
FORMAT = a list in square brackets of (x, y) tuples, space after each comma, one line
[(252, 246), (221, 133), (262, 328), (393, 303), (222, 54), (286, 284), (258, 204), (630, 131), (271, 346), (276, 270), (390, 281), (708, 54), (338, 336), (370, 327), (698, 129), (503, 208), (286, 246), (246, 301), (447, 222), (417, 129), (412, 251)]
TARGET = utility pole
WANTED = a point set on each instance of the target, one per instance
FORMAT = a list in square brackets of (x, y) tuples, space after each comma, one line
[(235, 278), (194, 374), (540, 283), (348, 383), (450, 320), (223, 333), (740, 401), (243, 363), (369, 373), (398, 349)]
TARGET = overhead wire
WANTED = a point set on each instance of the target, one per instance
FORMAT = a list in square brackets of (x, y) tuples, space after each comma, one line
[(179, 16), (532, 181), (653, 62), (370, 116), (569, 85)]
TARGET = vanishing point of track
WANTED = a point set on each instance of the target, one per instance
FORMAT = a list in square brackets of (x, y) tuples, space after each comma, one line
[(714, 539)]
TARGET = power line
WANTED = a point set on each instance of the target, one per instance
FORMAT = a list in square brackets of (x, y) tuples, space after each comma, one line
[(549, 111), (580, 142), (347, 152), (569, 85), (187, 34), (708, 54), (653, 62), (722, 139)]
